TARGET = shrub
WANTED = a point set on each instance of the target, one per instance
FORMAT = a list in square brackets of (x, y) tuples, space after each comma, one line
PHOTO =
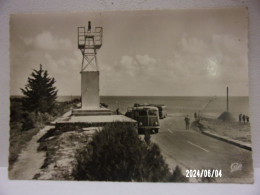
[(154, 167), (117, 154), (28, 120), (15, 111), (177, 176)]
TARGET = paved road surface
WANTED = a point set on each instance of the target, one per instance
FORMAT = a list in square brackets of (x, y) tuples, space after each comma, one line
[(192, 150)]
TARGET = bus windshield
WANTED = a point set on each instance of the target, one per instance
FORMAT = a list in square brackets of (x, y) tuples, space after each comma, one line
[(142, 113)]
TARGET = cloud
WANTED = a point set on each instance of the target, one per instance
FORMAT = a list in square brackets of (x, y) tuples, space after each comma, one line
[(212, 66), (65, 69), (188, 58), (147, 64), (127, 66), (145, 60), (129, 75), (216, 56), (192, 66), (192, 45), (136, 65), (63, 65), (47, 41)]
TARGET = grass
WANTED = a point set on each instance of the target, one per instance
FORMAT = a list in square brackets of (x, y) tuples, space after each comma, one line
[(19, 137)]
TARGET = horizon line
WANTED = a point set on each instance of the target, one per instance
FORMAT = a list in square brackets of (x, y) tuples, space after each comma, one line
[(156, 95)]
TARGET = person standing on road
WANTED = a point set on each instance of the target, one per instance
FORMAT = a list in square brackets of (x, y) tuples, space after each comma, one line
[(117, 111), (187, 122), (240, 118), (195, 116), (244, 118)]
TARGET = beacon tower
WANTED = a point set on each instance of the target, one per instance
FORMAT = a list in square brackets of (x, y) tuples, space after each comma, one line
[(89, 42)]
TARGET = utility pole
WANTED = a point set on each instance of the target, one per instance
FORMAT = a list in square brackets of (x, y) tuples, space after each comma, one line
[(227, 99)]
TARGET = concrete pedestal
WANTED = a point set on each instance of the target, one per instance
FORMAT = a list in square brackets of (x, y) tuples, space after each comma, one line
[(90, 90), (90, 100)]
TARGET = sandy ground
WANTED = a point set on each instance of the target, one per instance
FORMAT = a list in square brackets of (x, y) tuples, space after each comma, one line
[(234, 130)]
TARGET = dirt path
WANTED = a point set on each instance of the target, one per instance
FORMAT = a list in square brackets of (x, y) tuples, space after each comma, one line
[(30, 160)]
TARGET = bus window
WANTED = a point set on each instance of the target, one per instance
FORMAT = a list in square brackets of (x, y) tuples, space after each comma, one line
[(152, 112), (142, 113)]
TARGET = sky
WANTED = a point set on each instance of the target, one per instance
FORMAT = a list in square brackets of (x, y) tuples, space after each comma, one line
[(196, 52)]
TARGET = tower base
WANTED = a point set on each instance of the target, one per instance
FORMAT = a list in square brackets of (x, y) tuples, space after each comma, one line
[(91, 112), (80, 122)]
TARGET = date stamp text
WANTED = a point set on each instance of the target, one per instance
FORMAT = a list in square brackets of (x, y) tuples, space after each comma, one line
[(203, 173)]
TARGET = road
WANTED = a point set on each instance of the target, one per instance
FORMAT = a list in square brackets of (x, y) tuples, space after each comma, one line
[(193, 150)]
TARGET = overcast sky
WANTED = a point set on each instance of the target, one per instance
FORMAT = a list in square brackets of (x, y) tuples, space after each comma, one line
[(162, 53)]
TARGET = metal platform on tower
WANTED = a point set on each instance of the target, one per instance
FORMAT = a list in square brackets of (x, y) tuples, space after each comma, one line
[(89, 42)]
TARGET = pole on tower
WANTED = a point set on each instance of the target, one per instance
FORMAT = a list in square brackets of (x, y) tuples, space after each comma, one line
[(89, 26)]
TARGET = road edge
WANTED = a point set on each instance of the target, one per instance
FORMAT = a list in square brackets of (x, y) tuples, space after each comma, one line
[(226, 139)]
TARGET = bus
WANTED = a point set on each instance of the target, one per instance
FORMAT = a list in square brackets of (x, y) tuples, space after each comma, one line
[(161, 108), (147, 118)]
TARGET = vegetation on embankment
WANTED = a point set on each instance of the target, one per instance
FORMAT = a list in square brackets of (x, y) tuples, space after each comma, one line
[(115, 153), (60, 148), (25, 124), (118, 154)]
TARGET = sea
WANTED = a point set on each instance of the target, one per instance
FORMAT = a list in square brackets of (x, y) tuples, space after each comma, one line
[(211, 106)]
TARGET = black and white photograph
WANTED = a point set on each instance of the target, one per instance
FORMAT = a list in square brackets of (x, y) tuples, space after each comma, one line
[(131, 96)]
